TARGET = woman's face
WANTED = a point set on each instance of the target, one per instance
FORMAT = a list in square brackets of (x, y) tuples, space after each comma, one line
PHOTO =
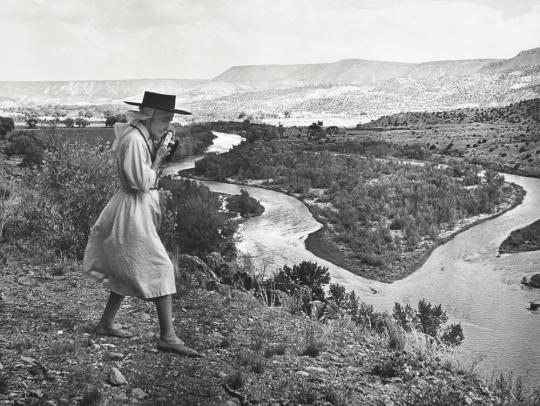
[(159, 123)]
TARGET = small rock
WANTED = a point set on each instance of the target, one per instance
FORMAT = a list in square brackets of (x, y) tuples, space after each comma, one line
[(121, 398), (138, 393), (29, 360), (145, 316), (115, 356), (316, 369), (116, 378)]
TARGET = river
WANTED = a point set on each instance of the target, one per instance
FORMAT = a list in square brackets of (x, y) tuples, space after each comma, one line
[(475, 287)]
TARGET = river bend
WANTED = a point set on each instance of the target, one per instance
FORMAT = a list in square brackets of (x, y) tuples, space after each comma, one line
[(474, 285)]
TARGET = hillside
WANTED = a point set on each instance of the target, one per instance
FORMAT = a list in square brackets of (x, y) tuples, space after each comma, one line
[(523, 112), (95, 91), (350, 72), (523, 60), (502, 138), (346, 88), (345, 72)]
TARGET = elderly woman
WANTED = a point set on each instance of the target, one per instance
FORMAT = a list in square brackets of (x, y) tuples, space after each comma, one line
[(124, 248)]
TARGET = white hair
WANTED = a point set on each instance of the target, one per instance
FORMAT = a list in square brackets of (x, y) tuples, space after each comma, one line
[(144, 113)]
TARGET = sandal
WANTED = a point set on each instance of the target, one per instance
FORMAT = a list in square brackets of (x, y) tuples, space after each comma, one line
[(113, 332), (178, 349)]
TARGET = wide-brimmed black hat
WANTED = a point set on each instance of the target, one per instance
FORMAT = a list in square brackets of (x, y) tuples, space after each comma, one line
[(160, 102)]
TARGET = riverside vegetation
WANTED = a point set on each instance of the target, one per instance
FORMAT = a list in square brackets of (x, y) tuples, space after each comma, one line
[(287, 338), (382, 216)]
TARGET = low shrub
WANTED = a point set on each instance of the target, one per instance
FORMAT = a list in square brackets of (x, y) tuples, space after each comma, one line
[(430, 320), (244, 204), (306, 273), (192, 221), (6, 126), (29, 146), (236, 380), (64, 198), (313, 343)]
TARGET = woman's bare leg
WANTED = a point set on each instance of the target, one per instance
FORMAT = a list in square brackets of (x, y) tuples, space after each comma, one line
[(164, 311), (109, 314)]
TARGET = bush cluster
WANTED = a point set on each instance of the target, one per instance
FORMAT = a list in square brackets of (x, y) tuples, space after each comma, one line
[(308, 285), (244, 204), (430, 320), (6, 125), (29, 145), (365, 198), (65, 196), (191, 221)]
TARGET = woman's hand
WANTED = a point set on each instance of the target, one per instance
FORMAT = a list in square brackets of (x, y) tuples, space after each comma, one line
[(162, 152)]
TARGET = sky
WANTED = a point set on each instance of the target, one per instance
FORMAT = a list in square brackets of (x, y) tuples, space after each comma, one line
[(184, 39)]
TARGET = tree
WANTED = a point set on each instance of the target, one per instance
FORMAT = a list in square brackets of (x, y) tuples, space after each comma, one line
[(31, 122), (315, 131), (6, 125), (69, 122), (110, 121), (81, 122), (332, 130)]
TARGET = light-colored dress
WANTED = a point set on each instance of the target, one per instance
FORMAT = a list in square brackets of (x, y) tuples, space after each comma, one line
[(124, 248)]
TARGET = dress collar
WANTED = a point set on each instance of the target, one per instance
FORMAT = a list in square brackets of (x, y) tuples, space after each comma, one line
[(146, 133), (143, 129)]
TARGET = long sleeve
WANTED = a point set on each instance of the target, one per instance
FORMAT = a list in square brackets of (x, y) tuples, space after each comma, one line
[(135, 165)]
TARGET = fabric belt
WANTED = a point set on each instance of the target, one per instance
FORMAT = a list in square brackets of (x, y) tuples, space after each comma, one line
[(134, 191)]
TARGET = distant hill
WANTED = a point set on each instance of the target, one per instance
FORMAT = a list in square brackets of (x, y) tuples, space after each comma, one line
[(347, 88), (94, 91), (345, 72), (523, 112), (524, 60), (349, 72)]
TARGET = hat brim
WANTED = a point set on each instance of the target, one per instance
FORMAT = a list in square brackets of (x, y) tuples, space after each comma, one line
[(177, 111)]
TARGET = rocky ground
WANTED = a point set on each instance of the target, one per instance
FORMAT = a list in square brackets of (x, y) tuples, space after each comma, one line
[(253, 353)]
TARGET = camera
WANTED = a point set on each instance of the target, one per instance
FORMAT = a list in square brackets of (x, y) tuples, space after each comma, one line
[(170, 143)]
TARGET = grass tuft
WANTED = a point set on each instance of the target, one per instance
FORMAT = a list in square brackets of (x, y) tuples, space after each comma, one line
[(313, 345), (92, 397), (4, 383), (235, 380)]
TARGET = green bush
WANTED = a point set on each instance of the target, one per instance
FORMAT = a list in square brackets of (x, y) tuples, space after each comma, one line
[(28, 145), (306, 273), (6, 125), (430, 320), (192, 222), (66, 196), (244, 204)]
